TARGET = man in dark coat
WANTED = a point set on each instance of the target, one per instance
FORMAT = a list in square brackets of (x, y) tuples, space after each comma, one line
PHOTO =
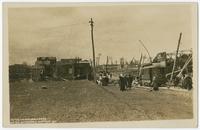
[(122, 82), (129, 80), (126, 78), (155, 83)]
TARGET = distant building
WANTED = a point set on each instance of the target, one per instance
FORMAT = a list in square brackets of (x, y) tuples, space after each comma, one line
[(19, 72), (73, 69), (36, 72), (70, 61), (132, 69), (44, 68)]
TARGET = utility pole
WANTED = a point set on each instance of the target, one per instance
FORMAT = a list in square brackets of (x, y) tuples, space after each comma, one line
[(94, 68), (107, 64), (179, 41)]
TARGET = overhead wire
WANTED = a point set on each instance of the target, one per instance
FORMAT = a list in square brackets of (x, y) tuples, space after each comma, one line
[(65, 25)]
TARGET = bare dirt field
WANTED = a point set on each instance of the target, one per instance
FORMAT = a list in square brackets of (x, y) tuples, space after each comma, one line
[(84, 101)]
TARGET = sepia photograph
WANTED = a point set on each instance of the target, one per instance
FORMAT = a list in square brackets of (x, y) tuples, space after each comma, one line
[(100, 63)]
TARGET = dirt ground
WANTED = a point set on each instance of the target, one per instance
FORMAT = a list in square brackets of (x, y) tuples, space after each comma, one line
[(84, 101)]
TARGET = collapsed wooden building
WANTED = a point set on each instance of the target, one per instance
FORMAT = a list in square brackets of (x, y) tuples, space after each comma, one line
[(162, 67), (156, 68)]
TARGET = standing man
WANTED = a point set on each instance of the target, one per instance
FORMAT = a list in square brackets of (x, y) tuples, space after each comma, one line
[(155, 83), (124, 83), (42, 75), (130, 80), (120, 81)]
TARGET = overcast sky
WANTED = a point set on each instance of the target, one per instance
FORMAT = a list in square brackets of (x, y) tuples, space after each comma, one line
[(64, 32)]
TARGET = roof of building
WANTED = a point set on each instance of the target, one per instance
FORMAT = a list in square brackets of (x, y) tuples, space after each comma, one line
[(155, 65)]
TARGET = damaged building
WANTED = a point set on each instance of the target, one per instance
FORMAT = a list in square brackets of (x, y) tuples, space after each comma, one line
[(157, 67), (162, 67), (19, 72), (44, 68), (73, 69), (65, 69)]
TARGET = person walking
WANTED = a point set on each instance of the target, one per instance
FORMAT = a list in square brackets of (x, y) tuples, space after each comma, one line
[(130, 80)]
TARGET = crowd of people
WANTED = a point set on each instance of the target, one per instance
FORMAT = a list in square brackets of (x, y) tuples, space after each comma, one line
[(126, 81), (104, 78)]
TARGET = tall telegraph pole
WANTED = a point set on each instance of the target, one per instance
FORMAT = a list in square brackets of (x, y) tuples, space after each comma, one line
[(179, 41), (94, 68)]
